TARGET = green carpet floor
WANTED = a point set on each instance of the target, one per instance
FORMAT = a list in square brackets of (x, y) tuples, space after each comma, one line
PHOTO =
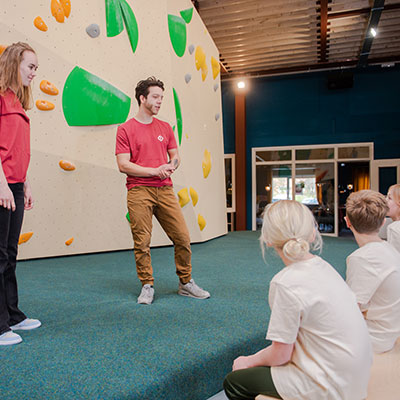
[(97, 343)]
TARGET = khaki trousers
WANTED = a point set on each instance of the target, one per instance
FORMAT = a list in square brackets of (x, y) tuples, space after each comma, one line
[(143, 203)]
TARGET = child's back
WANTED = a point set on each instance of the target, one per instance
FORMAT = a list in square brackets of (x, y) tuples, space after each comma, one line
[(373, 273)]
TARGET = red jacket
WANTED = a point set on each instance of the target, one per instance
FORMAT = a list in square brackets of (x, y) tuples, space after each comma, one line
[(15, 151)]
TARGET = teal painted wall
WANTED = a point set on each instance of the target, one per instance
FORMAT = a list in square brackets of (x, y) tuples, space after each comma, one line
[(300, 110)]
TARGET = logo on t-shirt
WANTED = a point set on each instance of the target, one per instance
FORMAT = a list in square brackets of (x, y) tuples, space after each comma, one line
[(160, 138)]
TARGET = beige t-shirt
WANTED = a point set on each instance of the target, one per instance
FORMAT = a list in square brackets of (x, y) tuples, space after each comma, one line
[(393, 235), (312, 307), (373, 274)]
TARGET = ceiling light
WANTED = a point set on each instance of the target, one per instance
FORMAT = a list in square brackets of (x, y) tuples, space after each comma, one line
[(241, 85), (373, 32)]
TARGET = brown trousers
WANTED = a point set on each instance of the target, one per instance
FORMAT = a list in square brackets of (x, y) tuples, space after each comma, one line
[(143, 203)]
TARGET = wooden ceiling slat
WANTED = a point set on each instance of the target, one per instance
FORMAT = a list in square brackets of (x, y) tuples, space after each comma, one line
[(289, 35)]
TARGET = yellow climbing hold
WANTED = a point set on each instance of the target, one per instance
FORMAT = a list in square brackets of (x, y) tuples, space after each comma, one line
[(44, 105), (183, 197), (24, 237), (48, 88), (206, 164), (69, 241), (204, 72), (194, 196), (201, 221), (66, 165), (215, 67), (40, 24), (200, 57)]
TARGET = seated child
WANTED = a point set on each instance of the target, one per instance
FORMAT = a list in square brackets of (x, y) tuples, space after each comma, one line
[(393, 230), (320, 344), (373, 270)]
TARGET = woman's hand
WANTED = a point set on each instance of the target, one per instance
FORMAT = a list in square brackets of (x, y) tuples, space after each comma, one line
[(28, 199), (6, 197)]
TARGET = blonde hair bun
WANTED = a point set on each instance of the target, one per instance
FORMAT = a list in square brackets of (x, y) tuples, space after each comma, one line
[(295, 249)]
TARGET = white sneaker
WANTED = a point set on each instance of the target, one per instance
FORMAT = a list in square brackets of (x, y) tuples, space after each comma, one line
[(146, 295), (9, 338), (192, 290), (26, 325)]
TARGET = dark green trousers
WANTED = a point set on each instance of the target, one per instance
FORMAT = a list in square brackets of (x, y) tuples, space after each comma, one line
[(246, 384)]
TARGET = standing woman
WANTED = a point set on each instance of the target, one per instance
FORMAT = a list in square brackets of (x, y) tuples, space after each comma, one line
[(18, 65)]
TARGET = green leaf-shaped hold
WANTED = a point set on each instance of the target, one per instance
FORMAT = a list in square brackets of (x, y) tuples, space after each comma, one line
[(130, 24), (177, 34), (89, 100), (114, 21), (178, 113), (187, 14)]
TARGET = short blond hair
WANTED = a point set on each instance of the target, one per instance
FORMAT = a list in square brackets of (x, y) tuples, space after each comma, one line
[(366, 210), (394, 190), (290, 226)]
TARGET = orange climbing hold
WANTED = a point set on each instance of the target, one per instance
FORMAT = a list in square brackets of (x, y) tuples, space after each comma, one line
[(48, 88), (69, 241), (2, 48), (57, 11), (24, 237), (39, 23), (66, 5), (66, 165), (44, 105)]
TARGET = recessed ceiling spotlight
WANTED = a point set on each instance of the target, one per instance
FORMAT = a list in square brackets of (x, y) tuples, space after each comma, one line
[(373, 32), (241, 85)]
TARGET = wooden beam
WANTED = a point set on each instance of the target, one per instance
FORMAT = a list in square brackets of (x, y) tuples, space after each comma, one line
[(324, 29), (240, 160)]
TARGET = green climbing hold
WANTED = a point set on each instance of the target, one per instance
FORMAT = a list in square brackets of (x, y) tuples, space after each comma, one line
[(113, 18), (89, 100), (178, 113), (119, 12), (187, 14), (128, 217), (177, 34), (130, 24)]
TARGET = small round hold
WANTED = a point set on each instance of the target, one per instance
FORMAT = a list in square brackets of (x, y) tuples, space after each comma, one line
[(93, 30), (191, 49), (217, 116), (188, 77), (216, 86)]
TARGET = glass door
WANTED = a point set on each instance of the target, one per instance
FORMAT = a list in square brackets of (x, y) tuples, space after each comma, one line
[(314, 187)]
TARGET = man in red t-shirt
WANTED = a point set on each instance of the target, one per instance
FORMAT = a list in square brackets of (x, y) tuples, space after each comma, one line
[(147, 153)]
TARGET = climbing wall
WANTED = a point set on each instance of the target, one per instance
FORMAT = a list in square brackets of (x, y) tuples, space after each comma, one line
[(91, 55)]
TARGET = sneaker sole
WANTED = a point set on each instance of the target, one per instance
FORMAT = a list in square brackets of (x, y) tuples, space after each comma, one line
[(11, 342), (25, 328), (187, 294)]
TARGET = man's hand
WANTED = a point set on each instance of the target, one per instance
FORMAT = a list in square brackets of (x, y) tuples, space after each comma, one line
[(165, 171), (28, 199), (6, 197)]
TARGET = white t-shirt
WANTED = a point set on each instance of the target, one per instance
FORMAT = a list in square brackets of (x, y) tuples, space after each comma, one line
[(393, 235), (373, 273), (312, 307)]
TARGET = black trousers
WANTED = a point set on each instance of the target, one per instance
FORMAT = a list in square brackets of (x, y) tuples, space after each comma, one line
[(247, 384), (10, 229)]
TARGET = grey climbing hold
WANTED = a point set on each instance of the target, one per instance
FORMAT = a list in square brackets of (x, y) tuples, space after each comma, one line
[(188, 77), (93, 30), (191, 49), (217, 116)]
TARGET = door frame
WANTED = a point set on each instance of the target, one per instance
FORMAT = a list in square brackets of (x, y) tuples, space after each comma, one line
[(374, 171)]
